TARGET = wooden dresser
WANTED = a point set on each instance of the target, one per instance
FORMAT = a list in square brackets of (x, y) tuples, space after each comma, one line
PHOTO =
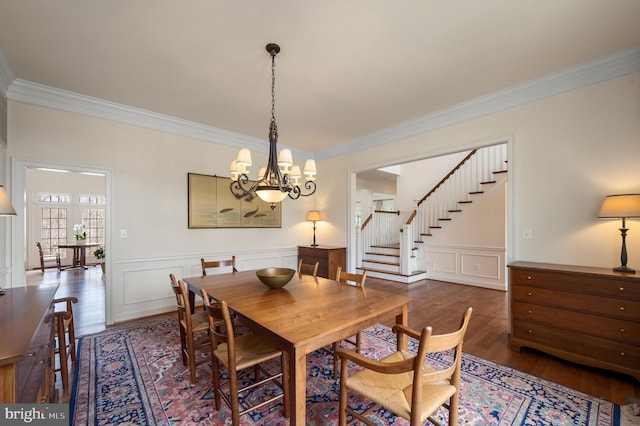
[(586, 315), (329, 257), (26, 327)]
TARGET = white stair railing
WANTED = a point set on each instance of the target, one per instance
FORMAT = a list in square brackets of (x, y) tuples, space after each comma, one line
[(457, 188), (381, 228)]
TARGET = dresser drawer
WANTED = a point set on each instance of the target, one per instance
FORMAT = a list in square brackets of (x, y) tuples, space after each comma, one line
[(620, 308), (605, 285), (610, 328), (616, 353)]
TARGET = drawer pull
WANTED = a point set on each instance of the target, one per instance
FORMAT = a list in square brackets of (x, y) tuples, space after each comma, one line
[(622, 308), (529, 311), (530, 331), (621, 353), (529, 294), (41, 362), (621, 288), (622, 330), (30, 354), (529, 277), (45, 398)]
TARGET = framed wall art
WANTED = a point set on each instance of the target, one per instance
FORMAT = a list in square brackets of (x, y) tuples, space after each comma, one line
[(212, 205)]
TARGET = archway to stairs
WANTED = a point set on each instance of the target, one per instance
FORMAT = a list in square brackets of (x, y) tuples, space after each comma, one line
[(380, 183)]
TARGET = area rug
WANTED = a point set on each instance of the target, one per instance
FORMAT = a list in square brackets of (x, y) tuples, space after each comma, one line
[(135, 375)]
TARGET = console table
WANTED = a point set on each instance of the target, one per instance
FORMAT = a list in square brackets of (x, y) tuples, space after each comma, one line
[(587, 315), (329, 259), (26, 327)]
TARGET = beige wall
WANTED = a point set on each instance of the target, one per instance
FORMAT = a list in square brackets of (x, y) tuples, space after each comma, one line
[(567, 152), (148, 198)]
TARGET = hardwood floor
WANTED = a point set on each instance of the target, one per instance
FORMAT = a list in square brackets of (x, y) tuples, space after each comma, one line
[(89, 313), (436, 303)]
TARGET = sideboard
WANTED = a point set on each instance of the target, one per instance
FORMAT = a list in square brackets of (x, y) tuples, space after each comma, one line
[(587, 315), (329, 258), (26, 327)]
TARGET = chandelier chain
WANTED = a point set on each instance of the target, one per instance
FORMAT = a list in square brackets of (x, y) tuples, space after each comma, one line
[(273, 86)]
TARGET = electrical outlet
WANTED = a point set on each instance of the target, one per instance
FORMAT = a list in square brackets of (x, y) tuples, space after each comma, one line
[(123, 233)]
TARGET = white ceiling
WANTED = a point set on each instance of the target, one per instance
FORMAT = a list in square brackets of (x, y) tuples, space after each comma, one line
[(347, 69)]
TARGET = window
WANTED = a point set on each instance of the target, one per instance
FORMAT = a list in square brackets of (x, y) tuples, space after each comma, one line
[(91, 199), (54, 198), (53, 229), (93, 222)]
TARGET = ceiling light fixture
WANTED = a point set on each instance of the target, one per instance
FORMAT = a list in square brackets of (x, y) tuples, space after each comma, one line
[(280, 177)]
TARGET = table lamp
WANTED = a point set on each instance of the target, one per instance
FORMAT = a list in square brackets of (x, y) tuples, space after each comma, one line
[(623, 206), (6, 209), (314, 216)]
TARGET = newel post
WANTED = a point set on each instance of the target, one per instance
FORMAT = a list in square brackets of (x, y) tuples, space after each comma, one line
[(405, 249)]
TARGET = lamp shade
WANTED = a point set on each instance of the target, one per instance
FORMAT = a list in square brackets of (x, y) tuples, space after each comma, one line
[(313, 215), (6, 209), (620, 206)]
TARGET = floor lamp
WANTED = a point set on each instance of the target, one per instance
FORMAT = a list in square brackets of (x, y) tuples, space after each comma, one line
[(314, 216), (623, 206), (6, 209)]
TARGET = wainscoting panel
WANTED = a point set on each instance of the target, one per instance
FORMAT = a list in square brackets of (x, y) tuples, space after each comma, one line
[(482, 266), (445, 262), (141, 288), (478, 266)]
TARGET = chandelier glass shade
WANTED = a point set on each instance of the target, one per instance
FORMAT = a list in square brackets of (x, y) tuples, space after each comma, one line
[(280, 177)]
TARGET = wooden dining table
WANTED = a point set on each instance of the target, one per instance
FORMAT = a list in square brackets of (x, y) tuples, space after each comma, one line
[(79, 254), (307, 314)]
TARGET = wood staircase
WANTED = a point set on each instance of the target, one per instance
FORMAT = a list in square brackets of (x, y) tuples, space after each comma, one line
[(382, 257), (383, 261)]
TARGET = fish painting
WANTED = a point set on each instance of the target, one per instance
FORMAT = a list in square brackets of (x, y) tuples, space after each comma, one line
[(252, 212)]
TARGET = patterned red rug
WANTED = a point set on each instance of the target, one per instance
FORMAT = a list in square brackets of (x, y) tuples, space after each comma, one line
[(134, 375)]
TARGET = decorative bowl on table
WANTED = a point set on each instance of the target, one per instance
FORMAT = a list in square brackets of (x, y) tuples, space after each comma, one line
[(275, 277)]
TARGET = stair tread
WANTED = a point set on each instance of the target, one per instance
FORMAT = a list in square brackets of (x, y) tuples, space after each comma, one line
[(381, 263), (375, 253), (392, 273)]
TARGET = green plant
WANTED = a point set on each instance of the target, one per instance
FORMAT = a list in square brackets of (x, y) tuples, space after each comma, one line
[(99, 253)]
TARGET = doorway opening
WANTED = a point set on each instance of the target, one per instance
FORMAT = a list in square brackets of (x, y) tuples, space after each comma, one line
[(34, 188)]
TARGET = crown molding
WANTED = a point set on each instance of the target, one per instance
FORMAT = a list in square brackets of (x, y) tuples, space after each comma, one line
[(609, 67), (616, 65), (51, 97)]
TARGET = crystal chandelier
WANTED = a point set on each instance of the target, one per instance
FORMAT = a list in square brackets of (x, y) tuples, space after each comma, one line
[(280, 177)]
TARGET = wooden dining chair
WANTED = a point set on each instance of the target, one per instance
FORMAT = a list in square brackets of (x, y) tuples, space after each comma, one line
[(357, 280), (193, 329), (47, 258), (63, 346), (215, 264), (403, 383), (239, 354), (307, 268)]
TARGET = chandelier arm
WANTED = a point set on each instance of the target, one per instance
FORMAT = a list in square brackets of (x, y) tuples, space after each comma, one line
[(296, 191), (242, 186)]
